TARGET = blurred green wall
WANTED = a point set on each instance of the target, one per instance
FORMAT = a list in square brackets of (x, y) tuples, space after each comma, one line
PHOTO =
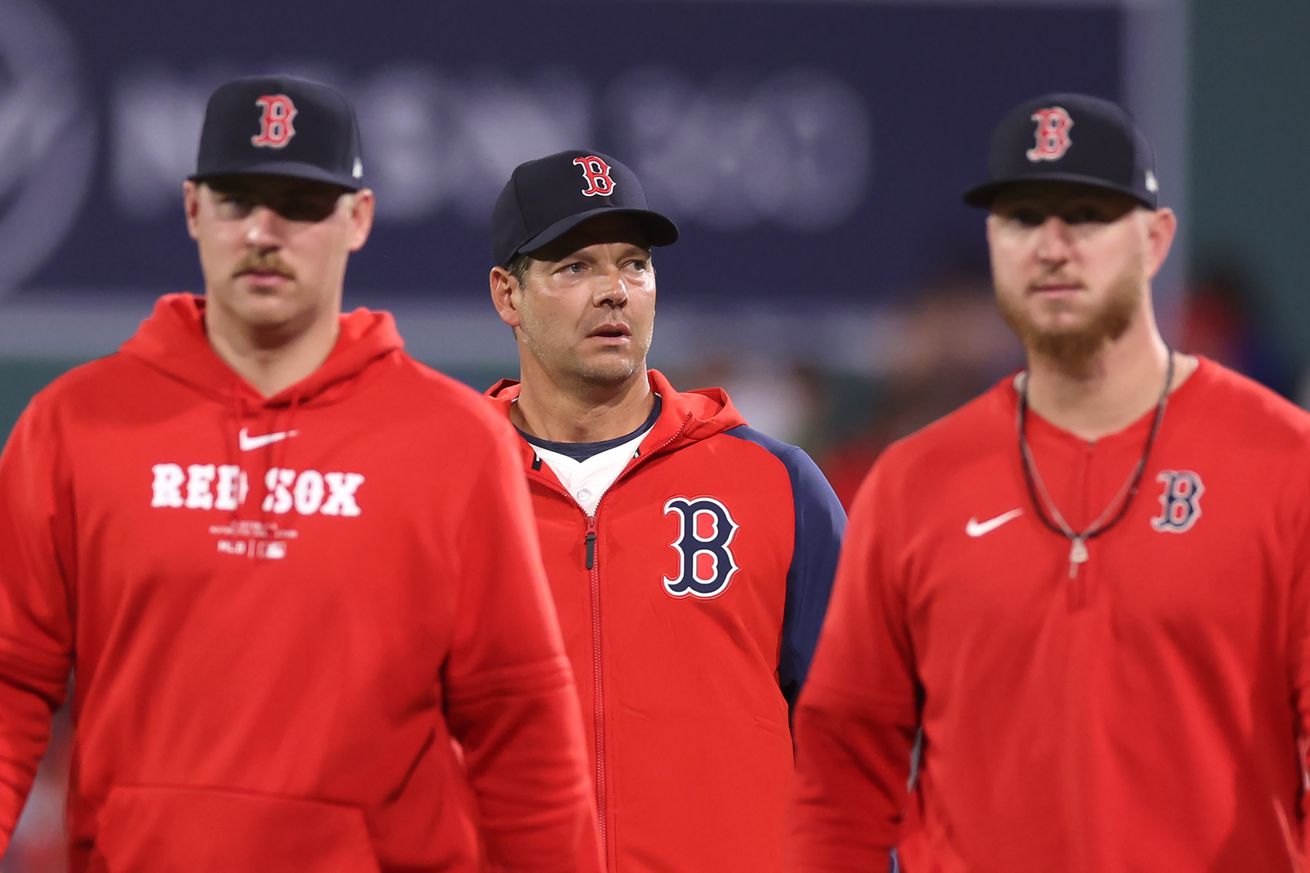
[(1250, 137), (19, 380)]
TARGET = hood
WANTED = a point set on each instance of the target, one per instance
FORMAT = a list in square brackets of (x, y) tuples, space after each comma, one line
[(173, 340), (685, 417)]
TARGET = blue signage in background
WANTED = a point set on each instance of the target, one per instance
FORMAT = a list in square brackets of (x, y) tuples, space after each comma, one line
[(800, 146)]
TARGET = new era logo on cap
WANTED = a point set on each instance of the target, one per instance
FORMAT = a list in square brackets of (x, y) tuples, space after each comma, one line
[(546, 198), (1071, 138), (280, 126)]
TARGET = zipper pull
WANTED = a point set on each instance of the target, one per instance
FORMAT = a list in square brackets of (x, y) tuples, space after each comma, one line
[(591, 541)]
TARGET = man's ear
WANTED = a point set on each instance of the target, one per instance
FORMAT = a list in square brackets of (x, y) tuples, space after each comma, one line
[(363, 203), (1162, 227), (505, 293), (191, 205)]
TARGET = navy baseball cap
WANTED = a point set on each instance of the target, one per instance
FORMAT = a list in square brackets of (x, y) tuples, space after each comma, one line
[(280, 126), (546, 198), (1070, 138)]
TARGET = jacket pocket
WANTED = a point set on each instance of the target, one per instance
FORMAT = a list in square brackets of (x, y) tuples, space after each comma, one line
[(147, 829)]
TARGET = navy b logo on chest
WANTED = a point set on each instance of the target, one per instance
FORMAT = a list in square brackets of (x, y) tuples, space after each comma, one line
[(1180, 503), (705, 560)]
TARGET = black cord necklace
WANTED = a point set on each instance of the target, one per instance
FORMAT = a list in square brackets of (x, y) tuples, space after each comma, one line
[(1055, 520)]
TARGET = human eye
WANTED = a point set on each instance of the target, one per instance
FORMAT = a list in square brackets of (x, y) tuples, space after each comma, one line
[(1031, 218), (309, 204), (1027, 216), (234, 203), (1085, 213), (640, 265), (311, 209)]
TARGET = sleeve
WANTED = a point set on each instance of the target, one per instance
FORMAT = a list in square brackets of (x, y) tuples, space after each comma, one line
[(1298, 648), (35, 611), (858, 715), (820, 523), (510, 698)]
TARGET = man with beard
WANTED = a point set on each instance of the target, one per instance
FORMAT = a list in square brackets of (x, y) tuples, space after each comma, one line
[(1100, 679), (690, 556)]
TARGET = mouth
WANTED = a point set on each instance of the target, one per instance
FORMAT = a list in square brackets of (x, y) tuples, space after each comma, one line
[(1059, 287), (263, 280), (611, 331)]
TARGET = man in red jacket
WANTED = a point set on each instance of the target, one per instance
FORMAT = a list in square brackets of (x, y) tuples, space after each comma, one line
[(690, 556), (1086, 591), (227, 532)]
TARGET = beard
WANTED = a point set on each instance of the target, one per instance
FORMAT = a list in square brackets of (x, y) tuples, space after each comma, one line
[(1072, 348)]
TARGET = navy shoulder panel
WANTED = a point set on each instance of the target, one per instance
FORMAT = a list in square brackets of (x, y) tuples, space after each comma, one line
[(820, 523)]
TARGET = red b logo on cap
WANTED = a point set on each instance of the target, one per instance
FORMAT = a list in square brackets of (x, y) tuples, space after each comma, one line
[(597, 173), (1052, 134), (275, 128)]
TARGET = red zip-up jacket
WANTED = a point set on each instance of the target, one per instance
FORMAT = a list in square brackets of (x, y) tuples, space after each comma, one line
[(690, 604), (1146, 713), (278, 613)]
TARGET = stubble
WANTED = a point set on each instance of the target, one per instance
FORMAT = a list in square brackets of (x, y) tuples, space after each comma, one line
[(1074, 348)]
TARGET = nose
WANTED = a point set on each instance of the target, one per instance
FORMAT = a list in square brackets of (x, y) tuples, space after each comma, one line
[(263, 228), (611, 288), (1054, 238)]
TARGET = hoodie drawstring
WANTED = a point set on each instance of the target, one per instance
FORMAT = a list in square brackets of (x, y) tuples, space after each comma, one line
[(232, 450)]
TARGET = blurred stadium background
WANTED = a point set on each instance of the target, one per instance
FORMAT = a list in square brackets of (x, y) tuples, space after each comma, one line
[(812, 152)]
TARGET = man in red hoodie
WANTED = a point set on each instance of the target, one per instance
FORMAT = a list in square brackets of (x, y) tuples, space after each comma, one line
[(690, 556), (286, 564)]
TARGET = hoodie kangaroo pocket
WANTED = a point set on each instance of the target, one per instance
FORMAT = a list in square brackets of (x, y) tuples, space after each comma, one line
[(187, 830)]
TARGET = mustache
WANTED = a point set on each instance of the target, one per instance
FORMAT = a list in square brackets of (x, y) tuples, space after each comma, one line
[(264, 263), (1054, 278)]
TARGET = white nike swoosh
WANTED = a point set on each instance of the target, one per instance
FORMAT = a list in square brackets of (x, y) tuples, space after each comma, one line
[(976, 528), (249, 443)]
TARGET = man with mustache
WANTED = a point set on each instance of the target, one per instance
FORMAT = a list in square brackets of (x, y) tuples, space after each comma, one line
[(228, 532), (690, 556), (1086, 592)]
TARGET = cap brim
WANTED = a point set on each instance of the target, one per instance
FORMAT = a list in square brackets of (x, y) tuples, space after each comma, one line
[(983, 195), (289, 169), (660, 231)]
